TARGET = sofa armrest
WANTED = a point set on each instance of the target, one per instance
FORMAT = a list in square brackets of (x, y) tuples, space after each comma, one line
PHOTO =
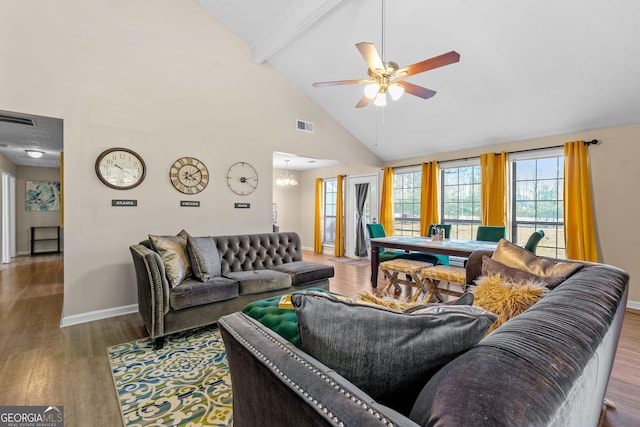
[(153, 288), (474, 265), (275, 383)]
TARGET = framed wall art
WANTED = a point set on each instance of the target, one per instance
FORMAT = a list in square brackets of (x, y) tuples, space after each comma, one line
[(43, 196)]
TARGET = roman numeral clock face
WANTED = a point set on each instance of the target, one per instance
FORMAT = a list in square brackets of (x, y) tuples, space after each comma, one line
[(189, 175)]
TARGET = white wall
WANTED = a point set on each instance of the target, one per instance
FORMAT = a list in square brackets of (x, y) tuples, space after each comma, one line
[(165, 79), (287, 200)]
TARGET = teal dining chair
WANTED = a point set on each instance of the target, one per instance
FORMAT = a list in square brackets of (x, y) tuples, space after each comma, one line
[(377, 230), (491, 233), (442, 259), (534, 239)]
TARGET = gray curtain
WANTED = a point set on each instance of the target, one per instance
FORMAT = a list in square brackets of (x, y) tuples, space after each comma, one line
[(361, 240)]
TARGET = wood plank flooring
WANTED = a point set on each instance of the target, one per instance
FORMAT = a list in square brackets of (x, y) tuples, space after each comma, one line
[(43, 364)]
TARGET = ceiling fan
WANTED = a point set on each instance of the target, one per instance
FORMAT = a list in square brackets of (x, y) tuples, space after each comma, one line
[(388, 76)]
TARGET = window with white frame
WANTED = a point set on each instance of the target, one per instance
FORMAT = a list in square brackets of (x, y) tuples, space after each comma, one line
[(329, 214), (461, 198), (406, 202), (537, 193)]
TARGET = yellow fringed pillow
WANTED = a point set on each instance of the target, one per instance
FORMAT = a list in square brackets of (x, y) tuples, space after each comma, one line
[(505, 298)]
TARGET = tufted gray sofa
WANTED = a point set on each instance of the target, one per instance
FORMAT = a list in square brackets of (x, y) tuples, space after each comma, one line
[(252, 267), (547, 367)]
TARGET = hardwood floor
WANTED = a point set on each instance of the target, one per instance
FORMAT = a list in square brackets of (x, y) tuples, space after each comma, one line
[(43, 364)]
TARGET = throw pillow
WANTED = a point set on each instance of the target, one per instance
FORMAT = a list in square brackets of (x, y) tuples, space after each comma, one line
[(204, 257), (514, 256), (506, 298), (173, 252), (491, 267), (388, 354)]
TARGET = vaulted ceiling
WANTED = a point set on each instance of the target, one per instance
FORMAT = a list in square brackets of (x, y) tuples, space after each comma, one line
[(527, 69)]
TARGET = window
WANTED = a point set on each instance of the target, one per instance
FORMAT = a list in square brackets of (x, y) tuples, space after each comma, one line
[(537, 201), (406, 202), (330, 198), (461, 199)]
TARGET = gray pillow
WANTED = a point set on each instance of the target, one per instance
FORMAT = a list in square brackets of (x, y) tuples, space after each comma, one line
[(204, 257), (388, 354)]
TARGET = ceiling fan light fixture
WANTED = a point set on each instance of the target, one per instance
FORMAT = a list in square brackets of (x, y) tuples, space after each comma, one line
[(381, 99), (396, 91), (371, 90), (36, 154)]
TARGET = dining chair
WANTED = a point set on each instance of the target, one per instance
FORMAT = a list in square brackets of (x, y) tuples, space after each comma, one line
[(534, 239), (377, 230), (442, 259), (491, 233)]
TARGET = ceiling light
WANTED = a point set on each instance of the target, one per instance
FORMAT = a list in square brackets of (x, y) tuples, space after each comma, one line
[(396, 91), (34, 153), (371, 90), (286, 179), (381, 100)]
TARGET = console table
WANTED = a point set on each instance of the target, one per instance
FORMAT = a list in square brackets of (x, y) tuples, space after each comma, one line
[(38, 234)]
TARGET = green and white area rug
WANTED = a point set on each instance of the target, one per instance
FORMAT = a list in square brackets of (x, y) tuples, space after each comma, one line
[(186, 383)]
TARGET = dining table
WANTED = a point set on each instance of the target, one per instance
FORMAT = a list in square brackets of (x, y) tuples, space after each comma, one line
[(451, 247)]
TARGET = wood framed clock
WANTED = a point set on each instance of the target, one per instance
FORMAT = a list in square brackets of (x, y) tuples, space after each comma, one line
[(242, 178), (189, 175), (120, 168)]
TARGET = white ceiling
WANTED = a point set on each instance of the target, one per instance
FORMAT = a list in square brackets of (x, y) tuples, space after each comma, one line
[(528, 68), (44, 135)]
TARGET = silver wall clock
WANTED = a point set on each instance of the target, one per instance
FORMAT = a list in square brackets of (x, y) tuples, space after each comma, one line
[(120, 168), (242, 178), (189, 175)]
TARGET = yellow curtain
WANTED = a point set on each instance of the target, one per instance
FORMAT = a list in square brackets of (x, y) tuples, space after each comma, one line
[(429, 196), (338, 250), (317, 231), (579, 231), (386, 206), (494, 188)]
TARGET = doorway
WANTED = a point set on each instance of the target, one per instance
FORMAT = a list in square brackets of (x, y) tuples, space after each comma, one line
[(361, 209), (8, 217)]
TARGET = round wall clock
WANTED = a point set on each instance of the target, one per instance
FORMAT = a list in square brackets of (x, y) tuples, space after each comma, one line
[(189, 175), (242, 178), (120, 168)]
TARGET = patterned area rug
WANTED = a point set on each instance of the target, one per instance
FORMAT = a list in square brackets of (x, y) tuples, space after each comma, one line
[(351, 261), (185, 383)]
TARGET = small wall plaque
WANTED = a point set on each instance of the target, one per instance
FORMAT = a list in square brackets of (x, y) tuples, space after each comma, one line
[(120, 202), (242, 205), (190, 203)]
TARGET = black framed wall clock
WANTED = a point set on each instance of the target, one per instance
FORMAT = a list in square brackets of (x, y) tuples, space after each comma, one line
[(120, 168), (242, 178), (189, 175)]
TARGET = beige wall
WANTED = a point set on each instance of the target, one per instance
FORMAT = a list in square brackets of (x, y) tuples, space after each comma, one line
[(615, 179), (287, 200), (166, 80), (27, 219)]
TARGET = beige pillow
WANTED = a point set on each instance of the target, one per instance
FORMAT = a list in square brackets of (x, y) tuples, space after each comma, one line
[(505, 298), (491, 267), (514, 256), (173, 252)]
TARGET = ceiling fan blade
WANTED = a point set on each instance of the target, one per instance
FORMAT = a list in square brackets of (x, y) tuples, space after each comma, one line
[(371, 56), (429, 64), (341, 82), (364, 101), (416, 90)]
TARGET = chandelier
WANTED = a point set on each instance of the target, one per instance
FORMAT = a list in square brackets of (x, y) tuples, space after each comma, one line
[(287, 179)]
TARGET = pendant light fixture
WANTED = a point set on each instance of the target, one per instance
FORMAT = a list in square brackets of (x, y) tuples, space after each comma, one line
[(287, 179)]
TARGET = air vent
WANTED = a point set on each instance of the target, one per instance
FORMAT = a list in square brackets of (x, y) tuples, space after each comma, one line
[(16, 120), (304, 126)]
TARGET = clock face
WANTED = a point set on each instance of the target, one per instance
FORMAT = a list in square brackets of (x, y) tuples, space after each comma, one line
[(189, 175), (120, 168), (242, 178)]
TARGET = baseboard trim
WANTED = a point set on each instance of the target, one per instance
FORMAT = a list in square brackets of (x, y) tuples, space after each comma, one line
[(77, 319), (634, 305)]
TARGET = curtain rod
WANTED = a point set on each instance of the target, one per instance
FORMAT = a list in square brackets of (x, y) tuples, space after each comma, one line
[(587, 143)]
